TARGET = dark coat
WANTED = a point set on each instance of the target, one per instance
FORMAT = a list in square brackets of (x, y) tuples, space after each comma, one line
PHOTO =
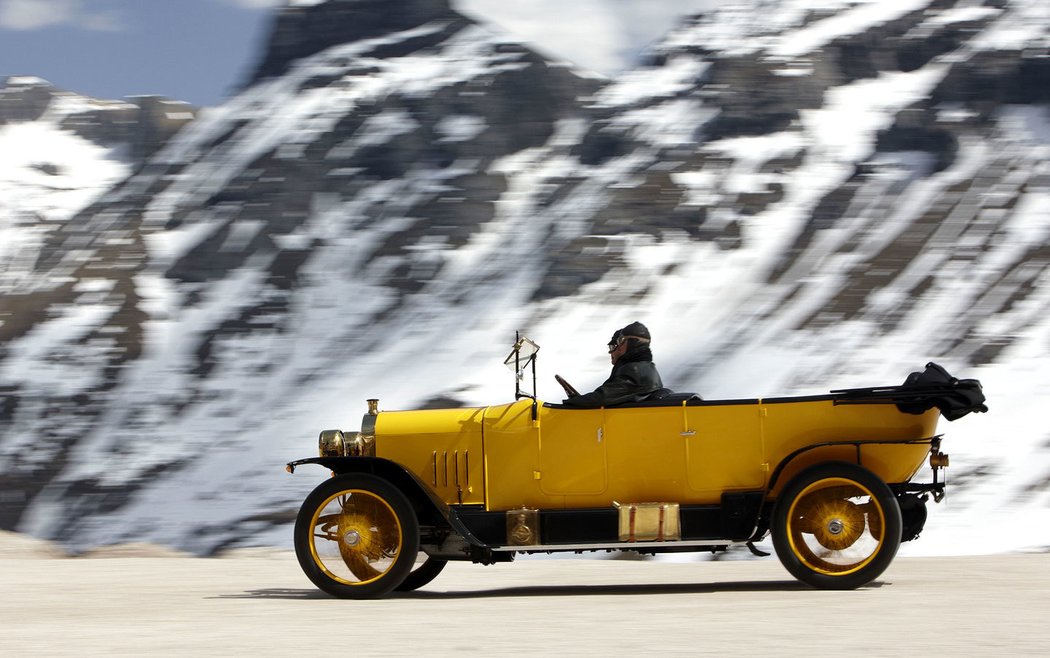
[(633, 378)]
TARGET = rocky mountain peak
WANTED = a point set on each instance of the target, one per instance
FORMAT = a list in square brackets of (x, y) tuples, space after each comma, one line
[(303, 29), (24, 98), (139, 125)]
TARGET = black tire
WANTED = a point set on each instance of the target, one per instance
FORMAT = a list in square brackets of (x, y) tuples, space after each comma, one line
[(836, 526), (356, 536), (422, 575)]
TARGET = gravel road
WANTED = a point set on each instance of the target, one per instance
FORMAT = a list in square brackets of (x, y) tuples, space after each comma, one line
[(260, 604)]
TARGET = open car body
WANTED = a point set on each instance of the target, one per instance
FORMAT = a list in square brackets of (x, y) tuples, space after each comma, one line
[(831, 476)]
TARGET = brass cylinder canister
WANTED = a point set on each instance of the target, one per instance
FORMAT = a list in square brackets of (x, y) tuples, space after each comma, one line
[(938, 460)]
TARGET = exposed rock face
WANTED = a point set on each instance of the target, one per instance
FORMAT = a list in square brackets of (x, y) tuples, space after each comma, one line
[(61, 151), (141, 124), (793, 197), (24, 99), (302, 31)]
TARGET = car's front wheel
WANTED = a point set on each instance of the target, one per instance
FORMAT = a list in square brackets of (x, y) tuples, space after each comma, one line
[(356, 536), (423, 573), (836, 526)]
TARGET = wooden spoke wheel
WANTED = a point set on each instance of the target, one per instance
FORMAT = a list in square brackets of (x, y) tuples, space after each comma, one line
[(425, 570), (356, 536), (836, 526)]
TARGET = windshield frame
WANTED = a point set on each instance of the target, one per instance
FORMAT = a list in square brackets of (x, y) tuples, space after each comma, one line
[(523, 356)]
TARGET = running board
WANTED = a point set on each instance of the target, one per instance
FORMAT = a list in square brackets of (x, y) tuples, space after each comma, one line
[(618, 546)]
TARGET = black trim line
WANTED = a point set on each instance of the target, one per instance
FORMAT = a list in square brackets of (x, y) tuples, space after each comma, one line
[(845, 396)]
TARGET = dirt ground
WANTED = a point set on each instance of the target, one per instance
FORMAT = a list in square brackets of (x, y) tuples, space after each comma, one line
[(258, 603)]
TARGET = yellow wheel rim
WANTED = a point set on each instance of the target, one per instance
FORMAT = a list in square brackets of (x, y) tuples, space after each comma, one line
[(355, 537), (835, 526)]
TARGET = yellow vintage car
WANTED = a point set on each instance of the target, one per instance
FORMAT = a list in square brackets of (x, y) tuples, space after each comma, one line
[(830, 476)]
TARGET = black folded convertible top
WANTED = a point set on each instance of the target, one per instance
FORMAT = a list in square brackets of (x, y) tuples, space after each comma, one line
[(921, 391)]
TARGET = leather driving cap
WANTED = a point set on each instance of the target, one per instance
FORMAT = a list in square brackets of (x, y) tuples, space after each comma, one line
[(635, 330)]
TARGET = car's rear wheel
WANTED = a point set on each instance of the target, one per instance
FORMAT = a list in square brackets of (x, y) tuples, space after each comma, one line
[(422, 574), (356, 536), (836, 526)]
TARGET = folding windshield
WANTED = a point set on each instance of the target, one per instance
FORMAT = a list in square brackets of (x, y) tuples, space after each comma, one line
[(520, 358)]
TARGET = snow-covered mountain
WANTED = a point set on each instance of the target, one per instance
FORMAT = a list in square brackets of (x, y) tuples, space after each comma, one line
[(794, 196), (60, 152)]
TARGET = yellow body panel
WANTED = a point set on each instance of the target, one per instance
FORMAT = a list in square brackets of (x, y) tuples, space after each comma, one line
[(791, 426), (689, 454), (441, 446), (512, 459)]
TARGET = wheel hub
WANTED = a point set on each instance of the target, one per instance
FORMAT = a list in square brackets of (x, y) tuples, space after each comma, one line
[(836, 523), (352, 538)]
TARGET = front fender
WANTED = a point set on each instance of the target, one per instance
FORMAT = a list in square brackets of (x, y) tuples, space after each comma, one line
[(342, 464), (405, 480), (430, 509)]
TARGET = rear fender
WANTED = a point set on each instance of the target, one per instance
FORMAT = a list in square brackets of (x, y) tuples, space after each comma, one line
[(861, 452), (798, 461)]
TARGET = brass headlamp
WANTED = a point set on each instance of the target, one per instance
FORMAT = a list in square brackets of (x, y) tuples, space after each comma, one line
[(337, 443), (331, 444)]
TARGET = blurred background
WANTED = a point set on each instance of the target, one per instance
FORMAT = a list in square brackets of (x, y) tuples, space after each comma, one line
[(335, 200)]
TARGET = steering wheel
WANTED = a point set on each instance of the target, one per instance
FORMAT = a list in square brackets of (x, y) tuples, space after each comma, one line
[(569, 390)]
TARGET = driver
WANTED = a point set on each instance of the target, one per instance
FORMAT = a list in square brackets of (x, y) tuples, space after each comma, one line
[(634, 376)]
